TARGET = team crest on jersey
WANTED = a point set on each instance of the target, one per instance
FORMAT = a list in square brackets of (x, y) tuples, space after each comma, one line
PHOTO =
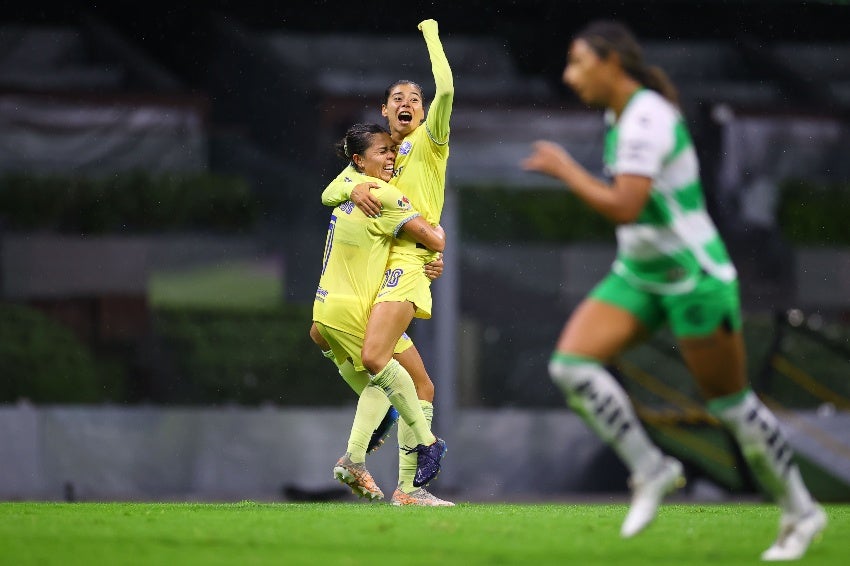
[(403, 203), (405, 147)]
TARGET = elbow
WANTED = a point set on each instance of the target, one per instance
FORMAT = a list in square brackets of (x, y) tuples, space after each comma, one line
[(622, 215), (438, 241), (620, 218)]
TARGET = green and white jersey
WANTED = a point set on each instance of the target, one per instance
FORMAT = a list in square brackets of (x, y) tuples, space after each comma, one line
[(673, 239)]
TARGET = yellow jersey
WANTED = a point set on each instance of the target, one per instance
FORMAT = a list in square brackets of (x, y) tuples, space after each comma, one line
[(355, 258), (420, 165)]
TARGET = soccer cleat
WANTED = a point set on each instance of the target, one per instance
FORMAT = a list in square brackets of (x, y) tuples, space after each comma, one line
[(795, 535), (419, 497), (647, 493), (357, 477), (427, 461), (383, 431)]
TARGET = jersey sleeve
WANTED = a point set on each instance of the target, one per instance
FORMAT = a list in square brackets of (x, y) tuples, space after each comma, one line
[(646, 136), (396, 211), (339, 190), (440, 110)]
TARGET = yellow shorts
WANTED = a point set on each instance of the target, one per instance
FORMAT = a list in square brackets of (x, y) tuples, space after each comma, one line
[(404, 280), (348, 346)]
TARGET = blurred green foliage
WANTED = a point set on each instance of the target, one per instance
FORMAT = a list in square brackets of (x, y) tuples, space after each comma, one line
[(248, 357), (128, 202), (812, 213), (42, 361), (808, 213), (498, 214)]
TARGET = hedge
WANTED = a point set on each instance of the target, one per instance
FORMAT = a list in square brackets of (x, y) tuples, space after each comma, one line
[(214, 357), (807, 213), (811, 213), (43, 362), (498, 214), (127, 202), (247, 357)]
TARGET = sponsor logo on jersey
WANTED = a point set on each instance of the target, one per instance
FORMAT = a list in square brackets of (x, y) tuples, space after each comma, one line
[(347, 207), (405, 147), (321, 294)]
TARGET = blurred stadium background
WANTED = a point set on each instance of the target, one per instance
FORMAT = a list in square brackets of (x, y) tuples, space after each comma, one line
[(160, 228)]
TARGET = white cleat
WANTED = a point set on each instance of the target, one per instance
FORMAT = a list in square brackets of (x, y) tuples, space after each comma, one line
[(647, 494), (795, 535), (420, 497)]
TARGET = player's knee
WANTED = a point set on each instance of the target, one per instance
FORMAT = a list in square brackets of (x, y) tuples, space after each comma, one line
[(560, 374), (568, 372), (424, 389), (373, 358), (317, 338)]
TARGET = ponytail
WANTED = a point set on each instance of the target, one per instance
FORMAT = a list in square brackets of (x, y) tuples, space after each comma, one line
[(654, 78)]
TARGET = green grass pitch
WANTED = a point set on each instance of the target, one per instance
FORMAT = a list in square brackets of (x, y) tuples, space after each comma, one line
[(377, 533)]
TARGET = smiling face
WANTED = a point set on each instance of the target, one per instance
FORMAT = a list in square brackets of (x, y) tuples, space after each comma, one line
[(378, 159), (404, 109)]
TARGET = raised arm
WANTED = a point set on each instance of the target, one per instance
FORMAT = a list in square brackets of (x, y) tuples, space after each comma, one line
[(440, 111)]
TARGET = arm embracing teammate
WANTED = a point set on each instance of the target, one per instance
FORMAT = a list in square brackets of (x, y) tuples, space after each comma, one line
[(420, 173)]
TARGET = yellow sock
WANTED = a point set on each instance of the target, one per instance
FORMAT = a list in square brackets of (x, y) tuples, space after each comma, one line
[(357, 380), (407, 462), (398, 386), (371, 408)]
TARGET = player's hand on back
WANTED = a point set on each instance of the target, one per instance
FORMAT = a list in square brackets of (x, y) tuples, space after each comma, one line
[(434, 269), (363, 199)]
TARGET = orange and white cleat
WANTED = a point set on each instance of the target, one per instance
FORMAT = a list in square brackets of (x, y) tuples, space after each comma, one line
[(419, 497), (357, 477)]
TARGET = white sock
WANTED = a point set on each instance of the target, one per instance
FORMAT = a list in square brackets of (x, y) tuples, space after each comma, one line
[(765, 448), (600, 401)]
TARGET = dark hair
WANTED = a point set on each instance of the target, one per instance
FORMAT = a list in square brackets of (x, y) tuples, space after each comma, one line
[(357, 139), (400, 82), (608, 36)]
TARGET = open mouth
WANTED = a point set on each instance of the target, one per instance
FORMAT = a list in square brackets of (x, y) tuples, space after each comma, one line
[(405, 117)]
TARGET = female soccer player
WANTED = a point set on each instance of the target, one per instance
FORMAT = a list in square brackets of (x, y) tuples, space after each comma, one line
[(420, 173), (671, 267), (356, 252)]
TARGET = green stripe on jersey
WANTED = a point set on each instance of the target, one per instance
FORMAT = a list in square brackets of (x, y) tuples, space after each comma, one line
[(655, 211), (682, 141), (716, 250), (689, 197)]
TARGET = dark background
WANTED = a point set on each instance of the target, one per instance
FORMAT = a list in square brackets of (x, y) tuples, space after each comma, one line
[(178, 33)]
